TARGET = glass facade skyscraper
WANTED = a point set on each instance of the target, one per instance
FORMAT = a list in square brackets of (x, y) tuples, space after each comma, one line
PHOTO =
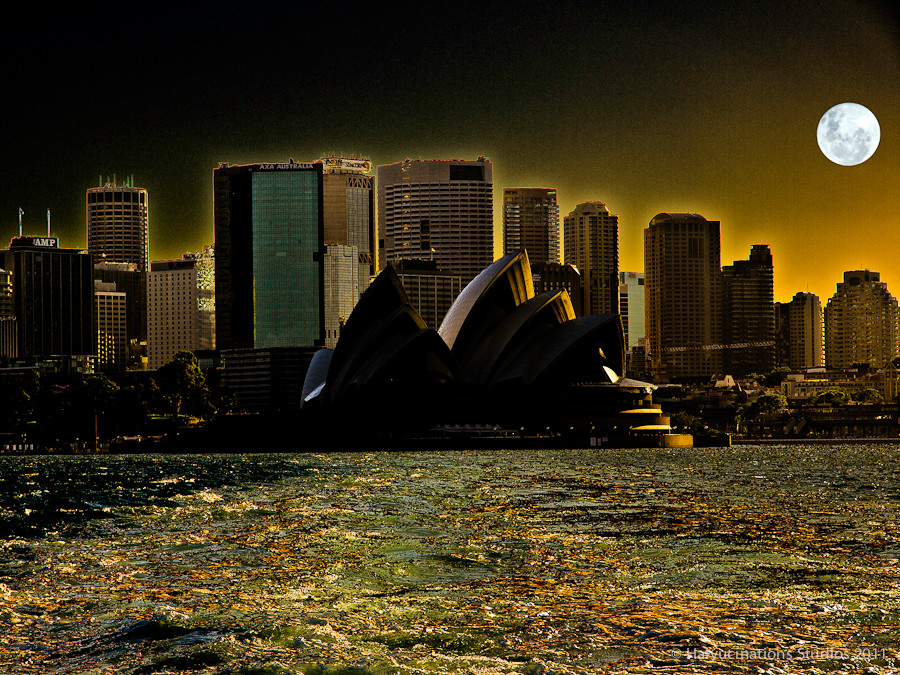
[(269, 276)]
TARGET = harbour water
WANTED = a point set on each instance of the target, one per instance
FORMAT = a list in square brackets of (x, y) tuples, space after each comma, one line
[(780, 559)]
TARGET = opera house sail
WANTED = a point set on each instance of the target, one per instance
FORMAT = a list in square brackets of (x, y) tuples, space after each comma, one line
[(502, 358)]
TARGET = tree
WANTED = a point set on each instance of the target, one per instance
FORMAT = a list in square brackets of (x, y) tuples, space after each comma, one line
[(867, 396), (764, 404), (17, 400), (183, 387), (835, 396)]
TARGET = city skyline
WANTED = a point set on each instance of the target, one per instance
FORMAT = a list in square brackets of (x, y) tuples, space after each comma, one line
[(647, 107)]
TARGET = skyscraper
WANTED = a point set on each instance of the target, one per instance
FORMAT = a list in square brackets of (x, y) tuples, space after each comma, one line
[(591, 243), (861, 322), (631, 307), (749, 320), (181, 301), (806, 340), (269, 275), (52, 298), (8, 347), (531, 221), (131, 281), (118, 240), (348, 205), (439, 210), (118, 224), (683, 296), (112, 335)]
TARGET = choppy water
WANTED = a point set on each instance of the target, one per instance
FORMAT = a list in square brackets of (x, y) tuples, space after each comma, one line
[(747, 559)]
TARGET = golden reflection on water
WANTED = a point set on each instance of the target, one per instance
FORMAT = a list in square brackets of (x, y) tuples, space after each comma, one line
[(482, 562)]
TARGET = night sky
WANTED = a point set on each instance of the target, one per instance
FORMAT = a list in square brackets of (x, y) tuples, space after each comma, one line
[(648, 106)]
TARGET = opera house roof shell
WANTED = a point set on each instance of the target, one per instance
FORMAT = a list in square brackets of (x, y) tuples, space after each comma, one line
[(499, 350)]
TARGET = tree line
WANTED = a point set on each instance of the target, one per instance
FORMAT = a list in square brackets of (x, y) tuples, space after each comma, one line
[(58, 409)]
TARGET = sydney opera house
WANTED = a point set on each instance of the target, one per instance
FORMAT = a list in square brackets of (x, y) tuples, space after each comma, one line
[(503, 360)]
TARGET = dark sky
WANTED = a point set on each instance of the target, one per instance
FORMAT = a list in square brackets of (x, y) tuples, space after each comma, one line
[(649, 106)]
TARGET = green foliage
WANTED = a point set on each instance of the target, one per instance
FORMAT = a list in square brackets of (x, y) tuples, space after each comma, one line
[(764, 404), (183, 387), (684, 420), (776, 377), (18, 395), (867, 396), (833, 397)]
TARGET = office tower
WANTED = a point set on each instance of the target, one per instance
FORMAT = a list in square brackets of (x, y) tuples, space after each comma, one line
[(348, 212), (431, 291), (683, 296), (342, 284), (861, 322), (783, 334), (279, 227), (531, 221), (749, 314), (52, 298), (631, 307), (269, 274), (118, 224), (181, 302), (129, 279), (112, 337), (548, 276), (440, 210), (7, 316), (591, 243), (805, 332), (118, 240)]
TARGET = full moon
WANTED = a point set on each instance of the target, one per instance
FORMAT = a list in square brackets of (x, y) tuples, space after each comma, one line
[(848, 134)]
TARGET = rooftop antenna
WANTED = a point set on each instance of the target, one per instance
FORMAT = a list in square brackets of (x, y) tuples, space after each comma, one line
[(48, 223), (21, 213)]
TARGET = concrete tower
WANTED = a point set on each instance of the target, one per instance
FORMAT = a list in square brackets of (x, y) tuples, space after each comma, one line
[(683, 296), (531, 221), (861, 322), (591, 244), (440, 210)]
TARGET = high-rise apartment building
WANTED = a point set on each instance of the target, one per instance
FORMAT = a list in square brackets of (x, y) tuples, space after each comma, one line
[(269, 274), (52, 298), (861, 322), (683, 296), (591, 244), (531, 221), (440, 210), (181, 302), (749, 314), (118, 224), (631, 307), (805, 332)]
